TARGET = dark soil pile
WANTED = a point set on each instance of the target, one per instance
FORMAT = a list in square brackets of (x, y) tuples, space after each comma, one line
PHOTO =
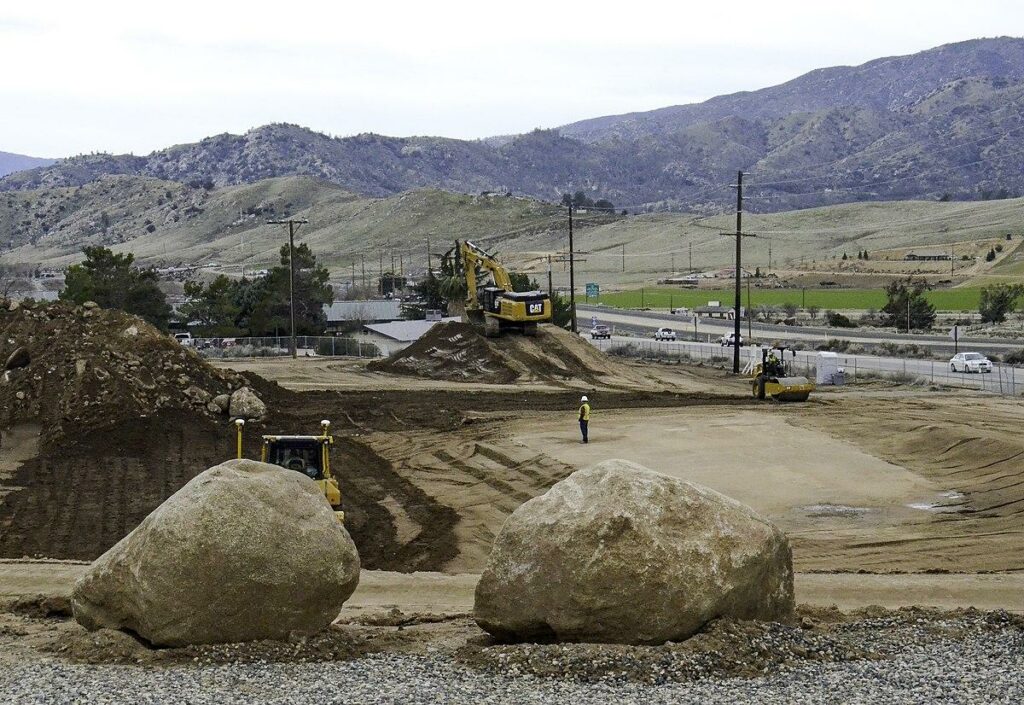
[(451, 351), (72, 369), (124, 423), (459, 352)]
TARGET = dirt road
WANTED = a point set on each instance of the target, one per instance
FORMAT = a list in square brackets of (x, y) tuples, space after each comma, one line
[(445, 594)]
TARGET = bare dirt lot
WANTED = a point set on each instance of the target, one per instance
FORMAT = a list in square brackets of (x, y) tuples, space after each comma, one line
[(891, 496)]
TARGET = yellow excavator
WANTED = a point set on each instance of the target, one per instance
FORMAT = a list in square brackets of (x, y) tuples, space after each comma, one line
[(772, 379), (310, 455), (497, 307)]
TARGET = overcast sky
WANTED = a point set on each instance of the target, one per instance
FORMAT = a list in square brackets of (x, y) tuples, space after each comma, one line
[(138, 76)]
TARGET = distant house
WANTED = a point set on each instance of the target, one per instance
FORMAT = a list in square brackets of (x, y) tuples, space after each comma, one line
[(714, 309), (392, 337), (342, 314), (689, 282), (928, 256)]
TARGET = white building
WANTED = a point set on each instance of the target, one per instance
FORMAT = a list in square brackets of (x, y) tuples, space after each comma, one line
[(392, 337)]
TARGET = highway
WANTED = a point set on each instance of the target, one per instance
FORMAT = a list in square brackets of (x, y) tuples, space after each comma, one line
[(1004, 379), (646, 322)]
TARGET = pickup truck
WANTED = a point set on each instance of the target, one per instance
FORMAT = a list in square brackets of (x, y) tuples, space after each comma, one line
[(600, 331), (665, 334)]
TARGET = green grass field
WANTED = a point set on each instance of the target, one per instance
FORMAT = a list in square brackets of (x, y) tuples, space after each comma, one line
[(944, 300)]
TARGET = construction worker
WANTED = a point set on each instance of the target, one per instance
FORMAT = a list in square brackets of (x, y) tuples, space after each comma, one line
[(584, 416)]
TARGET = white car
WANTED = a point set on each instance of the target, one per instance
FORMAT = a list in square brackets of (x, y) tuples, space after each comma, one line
[(664, 334), (600, 331), (730, 339), (970, 362)]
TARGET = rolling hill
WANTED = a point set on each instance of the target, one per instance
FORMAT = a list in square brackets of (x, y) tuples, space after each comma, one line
[(943, 123), (167, 223)]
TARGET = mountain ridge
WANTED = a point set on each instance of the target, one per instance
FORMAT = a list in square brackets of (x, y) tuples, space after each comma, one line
[(943, 123)]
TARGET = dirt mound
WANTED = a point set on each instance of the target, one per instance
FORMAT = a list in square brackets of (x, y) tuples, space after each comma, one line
[(459, 352), (451, 351), (74, 368)]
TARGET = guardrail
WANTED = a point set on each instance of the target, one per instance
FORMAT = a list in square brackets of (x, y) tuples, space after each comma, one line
[(279, 346), (1004, 379)]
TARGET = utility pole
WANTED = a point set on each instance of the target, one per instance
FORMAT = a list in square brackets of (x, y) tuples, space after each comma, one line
[(291, 223), (673, 263), (428, 255), (769, 257), (353, 274), (551, 288), (572, 276), (750, 313), (739, 234), (691, 257), (362, 265), (623, 257)]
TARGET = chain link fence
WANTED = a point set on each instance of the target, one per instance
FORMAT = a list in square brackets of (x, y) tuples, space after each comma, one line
[(1004, 379), (280, 346)]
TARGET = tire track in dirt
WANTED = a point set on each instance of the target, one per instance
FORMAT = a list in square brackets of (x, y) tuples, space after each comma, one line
[(973, 449)]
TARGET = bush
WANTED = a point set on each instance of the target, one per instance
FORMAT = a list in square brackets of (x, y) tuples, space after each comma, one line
[(834, 345), (1014, 358), (838, 320)]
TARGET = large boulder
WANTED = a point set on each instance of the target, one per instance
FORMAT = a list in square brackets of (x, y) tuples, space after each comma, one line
[(245, 404), (244, 551), (618, 553)]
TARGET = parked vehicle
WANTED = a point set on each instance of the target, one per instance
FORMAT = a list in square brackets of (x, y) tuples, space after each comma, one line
[(970, 362), (664, 334), (184, 338), (729, 339), (600, 331)]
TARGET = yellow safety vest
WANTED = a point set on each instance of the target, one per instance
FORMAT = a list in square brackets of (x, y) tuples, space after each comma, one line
[(585, 412)]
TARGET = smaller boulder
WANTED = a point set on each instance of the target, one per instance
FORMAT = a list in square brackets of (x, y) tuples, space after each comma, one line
[(223, 401), (90, 305), (246, 405), (17, 359)]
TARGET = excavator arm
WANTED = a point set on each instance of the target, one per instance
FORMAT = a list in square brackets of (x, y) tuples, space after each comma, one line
[(473, 255)]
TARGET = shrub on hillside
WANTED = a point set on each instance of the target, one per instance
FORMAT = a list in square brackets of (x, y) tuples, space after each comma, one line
[(838, 320)]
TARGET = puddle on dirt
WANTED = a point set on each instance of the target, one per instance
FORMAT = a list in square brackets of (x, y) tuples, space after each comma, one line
[(834, 510), (951, 502)]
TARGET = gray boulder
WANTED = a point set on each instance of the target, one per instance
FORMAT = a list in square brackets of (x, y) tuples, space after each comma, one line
[(246, 405), (244, 551), (618, 553), (223, 402)]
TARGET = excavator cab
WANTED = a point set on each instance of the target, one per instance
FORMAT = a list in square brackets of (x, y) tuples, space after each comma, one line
[(310, 455)]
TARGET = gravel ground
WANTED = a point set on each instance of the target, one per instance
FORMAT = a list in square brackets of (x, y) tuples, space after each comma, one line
[(916, 658)]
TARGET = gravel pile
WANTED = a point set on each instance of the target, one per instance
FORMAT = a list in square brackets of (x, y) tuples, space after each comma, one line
[(951, 658)]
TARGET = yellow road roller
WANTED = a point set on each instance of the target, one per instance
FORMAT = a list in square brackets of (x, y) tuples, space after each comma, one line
[(772, 379)]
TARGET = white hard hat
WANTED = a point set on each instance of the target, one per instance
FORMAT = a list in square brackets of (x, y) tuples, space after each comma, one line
[(583, 398)]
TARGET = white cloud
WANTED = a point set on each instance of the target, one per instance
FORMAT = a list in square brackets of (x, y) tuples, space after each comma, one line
[(131, 76)]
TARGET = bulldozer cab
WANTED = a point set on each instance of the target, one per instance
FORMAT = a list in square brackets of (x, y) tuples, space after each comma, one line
[(310, 455), (305, 454)]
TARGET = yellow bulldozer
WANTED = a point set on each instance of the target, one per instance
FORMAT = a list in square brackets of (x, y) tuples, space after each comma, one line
[(497, 307), (772, 378), (310, 455)]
